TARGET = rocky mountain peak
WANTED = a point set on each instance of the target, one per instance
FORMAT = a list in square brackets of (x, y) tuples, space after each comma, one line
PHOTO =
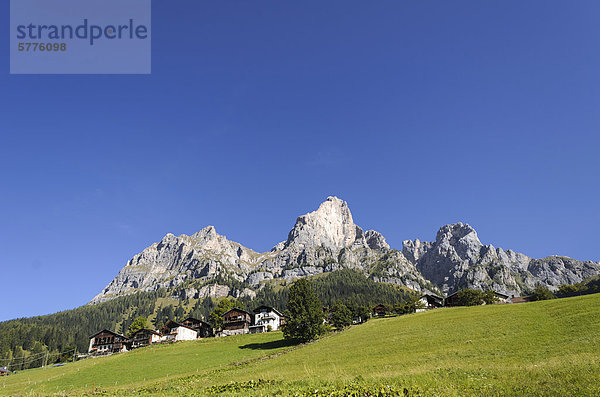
[(330, 226), (376, 241), (326, 240), (209, 233), (455, 232), (461, 237)]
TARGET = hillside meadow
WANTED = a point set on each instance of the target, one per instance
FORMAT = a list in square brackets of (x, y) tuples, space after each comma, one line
[(546, 348)]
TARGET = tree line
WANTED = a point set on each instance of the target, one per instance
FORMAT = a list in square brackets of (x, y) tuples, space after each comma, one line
[(22, 340)]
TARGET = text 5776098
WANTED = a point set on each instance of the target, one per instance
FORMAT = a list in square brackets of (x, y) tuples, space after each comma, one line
[(43, 47)]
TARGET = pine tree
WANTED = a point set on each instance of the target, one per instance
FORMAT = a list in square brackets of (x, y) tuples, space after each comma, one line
[(305, 313), (341, 316)]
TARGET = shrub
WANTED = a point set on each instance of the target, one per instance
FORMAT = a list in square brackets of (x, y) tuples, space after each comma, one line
[(469, 297), (541, 293), (489, 297), (410, 305)]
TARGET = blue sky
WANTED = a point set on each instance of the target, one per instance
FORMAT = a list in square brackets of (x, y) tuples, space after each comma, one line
[(416, 113)]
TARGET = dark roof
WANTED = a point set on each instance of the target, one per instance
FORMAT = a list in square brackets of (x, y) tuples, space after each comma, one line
[(520, 299), (110, 332), (153, 331), (192, 319), (236, 309), (175, 324), (432, 296), (269, 308), (497, 293), (195, 320)]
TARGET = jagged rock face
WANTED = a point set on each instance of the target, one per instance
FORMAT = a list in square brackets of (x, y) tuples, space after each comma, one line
[(330, 226), (457, 259), (173, 260), (327, 240), (321, 241)]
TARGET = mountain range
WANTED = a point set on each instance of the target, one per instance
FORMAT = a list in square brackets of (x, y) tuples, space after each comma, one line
[(327, 240)]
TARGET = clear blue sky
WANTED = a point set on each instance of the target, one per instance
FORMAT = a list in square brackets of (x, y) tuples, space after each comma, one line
[(416, 113)]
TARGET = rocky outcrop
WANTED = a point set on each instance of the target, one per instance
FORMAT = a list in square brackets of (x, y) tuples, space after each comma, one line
[(457, 259), (175, 259), (326, 240), (321, 241)]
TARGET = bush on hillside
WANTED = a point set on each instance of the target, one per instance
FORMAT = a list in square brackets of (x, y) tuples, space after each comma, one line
[(489, 297), (541, 293), (469, 297), (410, 305)]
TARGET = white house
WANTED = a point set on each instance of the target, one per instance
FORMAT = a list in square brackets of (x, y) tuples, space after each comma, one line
[(172, 332), (430, 301), (266, 318)]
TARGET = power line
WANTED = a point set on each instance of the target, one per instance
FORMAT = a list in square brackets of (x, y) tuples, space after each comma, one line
[(45, 355)]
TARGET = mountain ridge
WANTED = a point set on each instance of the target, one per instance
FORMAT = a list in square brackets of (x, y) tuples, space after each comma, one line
[(326, 240)]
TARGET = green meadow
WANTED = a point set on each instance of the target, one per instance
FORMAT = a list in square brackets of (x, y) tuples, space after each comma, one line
[(548, 348)]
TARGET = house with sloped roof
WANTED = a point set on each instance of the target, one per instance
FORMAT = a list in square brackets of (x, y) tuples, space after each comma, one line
[(266, 318), (204, 329), (173, 331), (236, 321), (108, 342), (431, 301), (144, 337)]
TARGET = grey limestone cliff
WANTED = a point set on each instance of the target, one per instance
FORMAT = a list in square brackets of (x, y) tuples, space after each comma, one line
[(457, 259), (321, 241), (326, 240)]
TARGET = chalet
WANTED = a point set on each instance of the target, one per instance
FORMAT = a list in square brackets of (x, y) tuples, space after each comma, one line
[(451, 299), (203, 329), (4, 371), (520, 299), (379, 310), (431, 301), (265, 317), (502, 298), (108, 342), (236, 321), (173, 331), (144, 337)]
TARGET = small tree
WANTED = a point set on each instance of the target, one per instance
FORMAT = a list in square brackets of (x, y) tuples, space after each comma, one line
[(410, 305), (363, 313), (570, 289), (305, 313), (359, 313), (137, 324), (224, 305), (489, 297), (341, 316), (469, 297), (541, 293)]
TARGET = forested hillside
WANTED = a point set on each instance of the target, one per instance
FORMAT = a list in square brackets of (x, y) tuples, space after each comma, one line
[(23, 342)]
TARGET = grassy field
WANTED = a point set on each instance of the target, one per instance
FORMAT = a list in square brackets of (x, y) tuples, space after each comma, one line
[(543, 348)]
